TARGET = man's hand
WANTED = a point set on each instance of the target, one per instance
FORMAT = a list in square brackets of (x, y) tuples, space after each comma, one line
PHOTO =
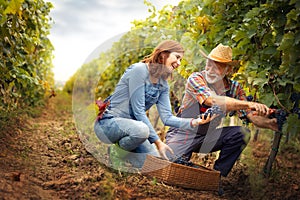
[(261, 109)]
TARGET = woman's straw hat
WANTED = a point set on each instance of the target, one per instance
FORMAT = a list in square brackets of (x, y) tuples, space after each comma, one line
[(222, 54)]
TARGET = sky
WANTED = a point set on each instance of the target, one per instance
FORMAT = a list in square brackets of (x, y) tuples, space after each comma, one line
[(81, 27)]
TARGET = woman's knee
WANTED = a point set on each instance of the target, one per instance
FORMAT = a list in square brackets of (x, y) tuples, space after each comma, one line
[(100, 133), (142, 130)]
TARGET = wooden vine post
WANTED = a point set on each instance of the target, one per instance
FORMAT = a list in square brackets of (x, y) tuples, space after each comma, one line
[(256, 134), (273, 153)]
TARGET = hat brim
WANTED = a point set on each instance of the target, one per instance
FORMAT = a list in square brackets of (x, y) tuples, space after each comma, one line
[(232, 62)]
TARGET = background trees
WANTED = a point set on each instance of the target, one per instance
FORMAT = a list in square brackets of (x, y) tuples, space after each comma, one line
[(26, 54), (264, 36)]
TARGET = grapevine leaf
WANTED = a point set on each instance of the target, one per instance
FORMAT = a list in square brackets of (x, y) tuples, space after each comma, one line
[(297, 87), (293, 124), (14, 7), (270, 50), (260, 81), (266, 99)]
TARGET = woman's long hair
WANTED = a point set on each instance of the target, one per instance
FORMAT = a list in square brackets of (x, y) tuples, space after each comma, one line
[(159, 56)]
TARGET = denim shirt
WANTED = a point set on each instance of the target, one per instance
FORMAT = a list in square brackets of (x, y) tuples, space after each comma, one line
[(135, 94)]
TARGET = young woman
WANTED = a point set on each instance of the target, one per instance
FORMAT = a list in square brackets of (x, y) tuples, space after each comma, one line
[(144, 84)]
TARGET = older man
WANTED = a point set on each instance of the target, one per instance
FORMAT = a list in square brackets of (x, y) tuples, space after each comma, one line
[(213, 87)]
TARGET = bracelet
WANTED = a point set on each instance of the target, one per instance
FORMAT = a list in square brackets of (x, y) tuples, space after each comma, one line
[(191, 123)]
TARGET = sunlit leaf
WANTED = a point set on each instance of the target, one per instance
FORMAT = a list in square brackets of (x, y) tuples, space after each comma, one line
[(14, 7)]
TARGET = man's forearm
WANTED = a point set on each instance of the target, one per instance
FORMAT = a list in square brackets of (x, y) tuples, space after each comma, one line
[(227, 103)]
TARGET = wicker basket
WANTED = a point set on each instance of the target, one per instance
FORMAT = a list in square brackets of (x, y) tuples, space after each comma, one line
[(201, 178)]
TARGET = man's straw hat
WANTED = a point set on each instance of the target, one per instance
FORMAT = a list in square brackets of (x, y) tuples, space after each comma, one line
[(222, 54)]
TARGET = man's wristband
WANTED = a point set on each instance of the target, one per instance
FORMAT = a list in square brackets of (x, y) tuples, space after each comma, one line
[(191, 123)]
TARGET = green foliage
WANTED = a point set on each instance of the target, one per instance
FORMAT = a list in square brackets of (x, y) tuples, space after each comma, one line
[(264, 36), (25, 52)]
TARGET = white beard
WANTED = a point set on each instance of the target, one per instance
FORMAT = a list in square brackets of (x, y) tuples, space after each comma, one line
[(213, 78)]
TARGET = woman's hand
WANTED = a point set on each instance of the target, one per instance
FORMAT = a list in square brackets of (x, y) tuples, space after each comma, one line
[(201, 120), (163, 148)]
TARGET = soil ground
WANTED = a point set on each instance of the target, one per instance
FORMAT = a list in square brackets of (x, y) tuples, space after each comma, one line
[(42, 157)]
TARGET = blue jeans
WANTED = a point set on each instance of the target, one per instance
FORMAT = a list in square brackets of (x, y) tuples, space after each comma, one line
[(131, 135)]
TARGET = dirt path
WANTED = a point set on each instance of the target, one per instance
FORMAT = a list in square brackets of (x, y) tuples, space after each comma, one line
[(45, 159)]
